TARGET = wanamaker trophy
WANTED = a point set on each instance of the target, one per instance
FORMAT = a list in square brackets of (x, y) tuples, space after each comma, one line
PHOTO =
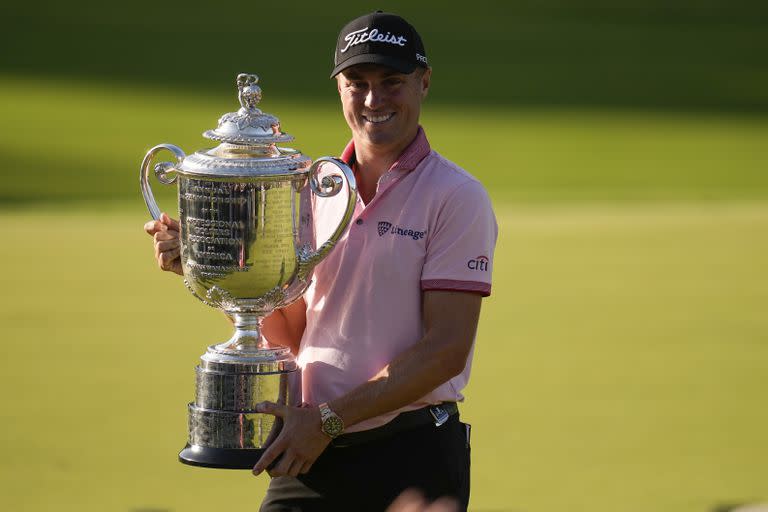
[(247, 248)]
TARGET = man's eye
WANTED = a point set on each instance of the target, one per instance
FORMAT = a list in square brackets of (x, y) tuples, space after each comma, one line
[(357, 85)]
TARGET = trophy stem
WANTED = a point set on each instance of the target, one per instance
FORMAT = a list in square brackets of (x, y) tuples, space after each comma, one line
[(247, 337)]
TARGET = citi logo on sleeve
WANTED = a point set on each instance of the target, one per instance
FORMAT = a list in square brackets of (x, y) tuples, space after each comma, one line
[(387, 227), (479, 263)]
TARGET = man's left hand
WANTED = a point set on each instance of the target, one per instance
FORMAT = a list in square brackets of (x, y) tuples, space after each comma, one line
[(299, 444)]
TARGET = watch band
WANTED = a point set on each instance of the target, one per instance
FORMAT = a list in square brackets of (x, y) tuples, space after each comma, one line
[(332, 425)]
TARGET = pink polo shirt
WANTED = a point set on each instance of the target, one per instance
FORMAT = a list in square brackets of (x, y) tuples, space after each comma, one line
[(430, 226)]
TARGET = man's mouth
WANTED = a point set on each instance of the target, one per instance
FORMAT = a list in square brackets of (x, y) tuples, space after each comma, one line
[(378, 118)]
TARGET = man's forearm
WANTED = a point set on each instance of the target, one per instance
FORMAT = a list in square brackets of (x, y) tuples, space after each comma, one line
[(285, 326), (451, 321), (413, 374)]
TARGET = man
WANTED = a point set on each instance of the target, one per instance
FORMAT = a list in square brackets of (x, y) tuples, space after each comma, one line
[(384, 335)]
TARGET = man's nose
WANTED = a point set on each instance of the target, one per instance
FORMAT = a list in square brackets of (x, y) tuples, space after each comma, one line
[(374, 99)]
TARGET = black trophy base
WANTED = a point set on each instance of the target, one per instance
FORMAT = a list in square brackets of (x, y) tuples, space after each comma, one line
[(222, 458)]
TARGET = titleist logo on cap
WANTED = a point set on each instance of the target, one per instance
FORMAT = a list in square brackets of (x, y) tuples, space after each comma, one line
[(363, 36), (380, 38)]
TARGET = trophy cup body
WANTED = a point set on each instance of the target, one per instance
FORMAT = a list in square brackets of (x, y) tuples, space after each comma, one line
[(247, 248)]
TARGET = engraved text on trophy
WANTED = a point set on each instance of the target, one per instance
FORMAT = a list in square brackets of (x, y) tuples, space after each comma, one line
[(238, 237)]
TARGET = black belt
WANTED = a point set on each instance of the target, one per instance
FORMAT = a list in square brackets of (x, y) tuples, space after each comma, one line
[(434, 414)]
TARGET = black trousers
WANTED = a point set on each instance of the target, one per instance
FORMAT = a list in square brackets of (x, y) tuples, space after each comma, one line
[(368, 477)]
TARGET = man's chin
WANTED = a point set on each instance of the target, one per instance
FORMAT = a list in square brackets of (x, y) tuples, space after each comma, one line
[(379, 136)]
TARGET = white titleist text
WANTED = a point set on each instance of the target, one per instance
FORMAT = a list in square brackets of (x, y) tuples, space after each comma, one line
[(374, 36)]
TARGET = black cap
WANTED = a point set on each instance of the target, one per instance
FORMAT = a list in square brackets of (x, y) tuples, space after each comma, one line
[(379, 38)]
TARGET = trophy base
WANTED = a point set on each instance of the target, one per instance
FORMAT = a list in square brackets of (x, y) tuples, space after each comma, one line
[(221, 458)]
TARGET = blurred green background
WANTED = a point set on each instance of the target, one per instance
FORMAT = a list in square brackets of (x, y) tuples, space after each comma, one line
[(622, 360)]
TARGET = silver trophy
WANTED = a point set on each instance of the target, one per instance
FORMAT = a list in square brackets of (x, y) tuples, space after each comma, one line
[(247, 248)]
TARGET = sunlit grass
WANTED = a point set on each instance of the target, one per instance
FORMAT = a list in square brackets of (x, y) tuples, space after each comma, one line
[(620, 364)]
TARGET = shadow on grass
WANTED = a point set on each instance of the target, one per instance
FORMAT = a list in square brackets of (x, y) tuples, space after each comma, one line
[(740, 507)]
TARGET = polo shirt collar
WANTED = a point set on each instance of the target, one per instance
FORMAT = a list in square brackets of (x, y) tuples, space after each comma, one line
[(416, 151)]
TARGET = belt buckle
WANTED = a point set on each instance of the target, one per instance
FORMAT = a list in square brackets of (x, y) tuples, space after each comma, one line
[(439, 414)]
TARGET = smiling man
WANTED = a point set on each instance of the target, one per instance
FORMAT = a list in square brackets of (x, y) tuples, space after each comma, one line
[(385, 333)]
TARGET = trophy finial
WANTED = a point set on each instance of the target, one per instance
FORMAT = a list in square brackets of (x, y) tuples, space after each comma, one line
[(248, 93), (249, 125)]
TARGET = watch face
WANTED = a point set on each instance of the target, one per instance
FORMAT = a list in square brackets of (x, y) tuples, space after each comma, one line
[(333, 426)]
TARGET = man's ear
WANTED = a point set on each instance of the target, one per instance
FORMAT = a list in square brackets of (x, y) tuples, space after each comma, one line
[(425, 81)]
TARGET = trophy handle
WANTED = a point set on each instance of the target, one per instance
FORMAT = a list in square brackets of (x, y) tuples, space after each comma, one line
[(162, 171), (330, 186)]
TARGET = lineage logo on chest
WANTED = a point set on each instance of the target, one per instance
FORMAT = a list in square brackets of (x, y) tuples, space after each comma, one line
[(385, 227)]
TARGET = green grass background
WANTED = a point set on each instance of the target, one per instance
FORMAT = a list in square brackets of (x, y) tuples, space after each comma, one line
[(622, 360)]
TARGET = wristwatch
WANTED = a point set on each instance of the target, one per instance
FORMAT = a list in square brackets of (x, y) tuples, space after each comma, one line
[(332, 424)]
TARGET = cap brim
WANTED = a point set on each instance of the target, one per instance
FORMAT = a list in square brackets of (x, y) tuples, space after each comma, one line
[(369, 58)]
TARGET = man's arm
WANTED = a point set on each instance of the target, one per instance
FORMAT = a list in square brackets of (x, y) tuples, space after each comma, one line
[(450, 320), (285, 326)]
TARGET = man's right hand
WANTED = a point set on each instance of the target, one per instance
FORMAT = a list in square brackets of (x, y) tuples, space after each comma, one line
[(165, 233)]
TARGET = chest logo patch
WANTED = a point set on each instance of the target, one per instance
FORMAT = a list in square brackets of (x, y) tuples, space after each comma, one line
[(387, 227), (384, 227)]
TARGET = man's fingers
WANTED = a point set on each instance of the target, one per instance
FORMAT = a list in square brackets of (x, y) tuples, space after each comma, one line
[(167, 245), (271, 408), (166, 259), (305, 468), (295, 468), (167, 234), (154, 226), (171, 223), (165, 223), (269, 456), (283, 466)]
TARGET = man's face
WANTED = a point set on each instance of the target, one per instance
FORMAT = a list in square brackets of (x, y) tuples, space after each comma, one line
[(382, 105)]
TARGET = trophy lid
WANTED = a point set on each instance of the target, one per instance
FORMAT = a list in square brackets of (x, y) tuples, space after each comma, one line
[(248, 142), (249, 125)]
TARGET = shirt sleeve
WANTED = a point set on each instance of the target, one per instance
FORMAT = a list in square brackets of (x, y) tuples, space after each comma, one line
[(461, 244)]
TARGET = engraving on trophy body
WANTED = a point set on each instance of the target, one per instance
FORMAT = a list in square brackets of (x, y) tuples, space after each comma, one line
[(226, 430), (242, 391), (223, 414), (239, 241)]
